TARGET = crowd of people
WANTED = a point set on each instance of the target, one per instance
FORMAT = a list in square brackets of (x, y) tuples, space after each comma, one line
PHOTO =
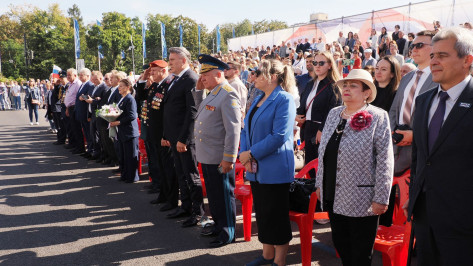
[(357, 109)]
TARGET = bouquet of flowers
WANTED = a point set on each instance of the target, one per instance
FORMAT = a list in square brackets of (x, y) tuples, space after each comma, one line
[(110, 113)]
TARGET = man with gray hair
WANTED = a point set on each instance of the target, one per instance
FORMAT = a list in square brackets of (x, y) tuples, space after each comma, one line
[(441, 186), (70, 103), (179, 116), (81, 110)]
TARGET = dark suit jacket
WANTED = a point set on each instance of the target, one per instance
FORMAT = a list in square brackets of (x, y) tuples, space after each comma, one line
[(152, 95), (82, 107), (99, 93), (180, 109), (55, 101), (115, 97), (128, 127), (445, 173), (323, 103), (402, 154), (306, 47)]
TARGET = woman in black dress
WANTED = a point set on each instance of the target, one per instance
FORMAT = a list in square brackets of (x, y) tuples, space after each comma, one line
[(387, 76)]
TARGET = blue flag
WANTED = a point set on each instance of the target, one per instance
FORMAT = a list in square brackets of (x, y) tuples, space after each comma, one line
[(100, 46), (252, 31), (123, 54), (218, 39), (163, 42), (233, 29), (180, 35), (143, 33), (198, 36), (76, 39)]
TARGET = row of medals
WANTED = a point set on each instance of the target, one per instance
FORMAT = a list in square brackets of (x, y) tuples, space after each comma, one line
[(155, 104)]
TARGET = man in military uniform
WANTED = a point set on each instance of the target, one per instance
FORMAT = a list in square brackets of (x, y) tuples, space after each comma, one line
[(217, 134), (159, 153)]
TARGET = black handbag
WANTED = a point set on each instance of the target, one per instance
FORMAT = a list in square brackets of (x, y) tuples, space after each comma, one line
[(299, 194)]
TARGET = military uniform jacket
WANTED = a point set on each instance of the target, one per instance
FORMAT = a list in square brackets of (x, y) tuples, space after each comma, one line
[(152, 109), (217, 126)]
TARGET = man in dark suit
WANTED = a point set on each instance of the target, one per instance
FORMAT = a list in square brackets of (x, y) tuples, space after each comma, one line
[(109, 156), (82, 106), (114, 98), (93, 100), (179, 115), (152, 117), (440, 195), (306, 47), (412, 84)]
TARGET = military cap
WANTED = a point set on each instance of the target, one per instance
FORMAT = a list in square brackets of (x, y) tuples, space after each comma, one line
[(158, 63), (210, 63), (62, 73)]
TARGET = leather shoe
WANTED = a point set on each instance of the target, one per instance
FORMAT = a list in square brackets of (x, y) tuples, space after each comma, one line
[(166, 207), (116, 171), (157, 201), (208, 230), (178, 213), (193, 220), (217, 243)]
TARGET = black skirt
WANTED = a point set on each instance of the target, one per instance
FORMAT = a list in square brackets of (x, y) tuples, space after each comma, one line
[(271, 203)]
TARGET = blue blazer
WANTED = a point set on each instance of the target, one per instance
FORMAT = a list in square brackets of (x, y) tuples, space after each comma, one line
[(128, 127), (271, 138), (82, 107)]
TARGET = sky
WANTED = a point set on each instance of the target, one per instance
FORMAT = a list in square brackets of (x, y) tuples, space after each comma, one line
[(211, 12)]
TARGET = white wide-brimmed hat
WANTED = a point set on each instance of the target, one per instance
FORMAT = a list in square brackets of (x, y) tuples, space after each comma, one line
[(363, 76)]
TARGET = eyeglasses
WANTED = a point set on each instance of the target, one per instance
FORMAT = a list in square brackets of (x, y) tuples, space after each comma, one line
[(105, 79), (418, 45), (320, 63)]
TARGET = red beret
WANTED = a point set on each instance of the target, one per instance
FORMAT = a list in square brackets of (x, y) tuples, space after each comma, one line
[(158, 63)]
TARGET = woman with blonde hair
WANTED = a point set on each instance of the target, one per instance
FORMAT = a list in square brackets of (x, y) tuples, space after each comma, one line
[(266, 151), (318, 98)]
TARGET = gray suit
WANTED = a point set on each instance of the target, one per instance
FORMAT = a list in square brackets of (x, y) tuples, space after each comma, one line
[(217, 126), (403, 154)]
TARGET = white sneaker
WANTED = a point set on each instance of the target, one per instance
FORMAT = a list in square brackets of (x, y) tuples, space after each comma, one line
[(31, 123), (37, 123)]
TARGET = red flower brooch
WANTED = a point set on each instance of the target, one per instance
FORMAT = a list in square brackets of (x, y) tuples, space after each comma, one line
[(361, 120)]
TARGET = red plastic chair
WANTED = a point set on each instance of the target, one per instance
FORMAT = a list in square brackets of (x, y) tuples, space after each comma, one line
[(142, 156), (243, 194), (305, 221), (393, 241)]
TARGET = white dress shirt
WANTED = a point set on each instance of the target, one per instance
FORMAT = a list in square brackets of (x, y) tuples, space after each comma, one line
[(407, 90), (453, 93)]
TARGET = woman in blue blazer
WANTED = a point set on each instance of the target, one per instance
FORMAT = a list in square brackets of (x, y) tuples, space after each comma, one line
[(266, 151), (33, 93), (127, 132)]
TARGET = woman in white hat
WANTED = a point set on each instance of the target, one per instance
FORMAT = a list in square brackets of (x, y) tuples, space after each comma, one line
[(355, 169)]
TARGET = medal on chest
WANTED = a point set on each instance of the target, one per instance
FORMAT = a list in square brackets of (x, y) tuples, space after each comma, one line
[(157, 99), (144, 111)]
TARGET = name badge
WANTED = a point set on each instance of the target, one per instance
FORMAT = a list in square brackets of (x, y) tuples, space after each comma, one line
[(465, 105), (210, 108)]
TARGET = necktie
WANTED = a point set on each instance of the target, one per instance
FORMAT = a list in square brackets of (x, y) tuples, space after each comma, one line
[(437, 119), (406, 113)]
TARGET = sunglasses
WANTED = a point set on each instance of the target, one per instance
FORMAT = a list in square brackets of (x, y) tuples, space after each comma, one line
[(258, 73), (418, 45), (320, 63), (105, 78)]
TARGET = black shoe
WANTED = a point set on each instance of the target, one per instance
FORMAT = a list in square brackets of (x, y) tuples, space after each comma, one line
[(156, 201), (167, 207), (192, 221), (58, 143), (115, 171), (78, 151), (130, 181), (148, 186), (100, 160), (153, 191), (178, 213), (217, 243), (68, 146), (208, 230), (85, 155)]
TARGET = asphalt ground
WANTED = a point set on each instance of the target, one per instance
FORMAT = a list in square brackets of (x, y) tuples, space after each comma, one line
[(61, 209)]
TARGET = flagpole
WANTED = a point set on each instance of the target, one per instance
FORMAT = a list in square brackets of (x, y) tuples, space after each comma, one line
[(98, 53)]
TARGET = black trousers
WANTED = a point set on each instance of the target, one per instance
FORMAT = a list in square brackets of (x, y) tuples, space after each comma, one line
[(67, 123), (76, 129), (221, 198), (94, 137), (353, 238), (168, 184), (85, 125), (434, 245), (188, 178), (311, 149), (60, 126), (129, 154), (152, 150)]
